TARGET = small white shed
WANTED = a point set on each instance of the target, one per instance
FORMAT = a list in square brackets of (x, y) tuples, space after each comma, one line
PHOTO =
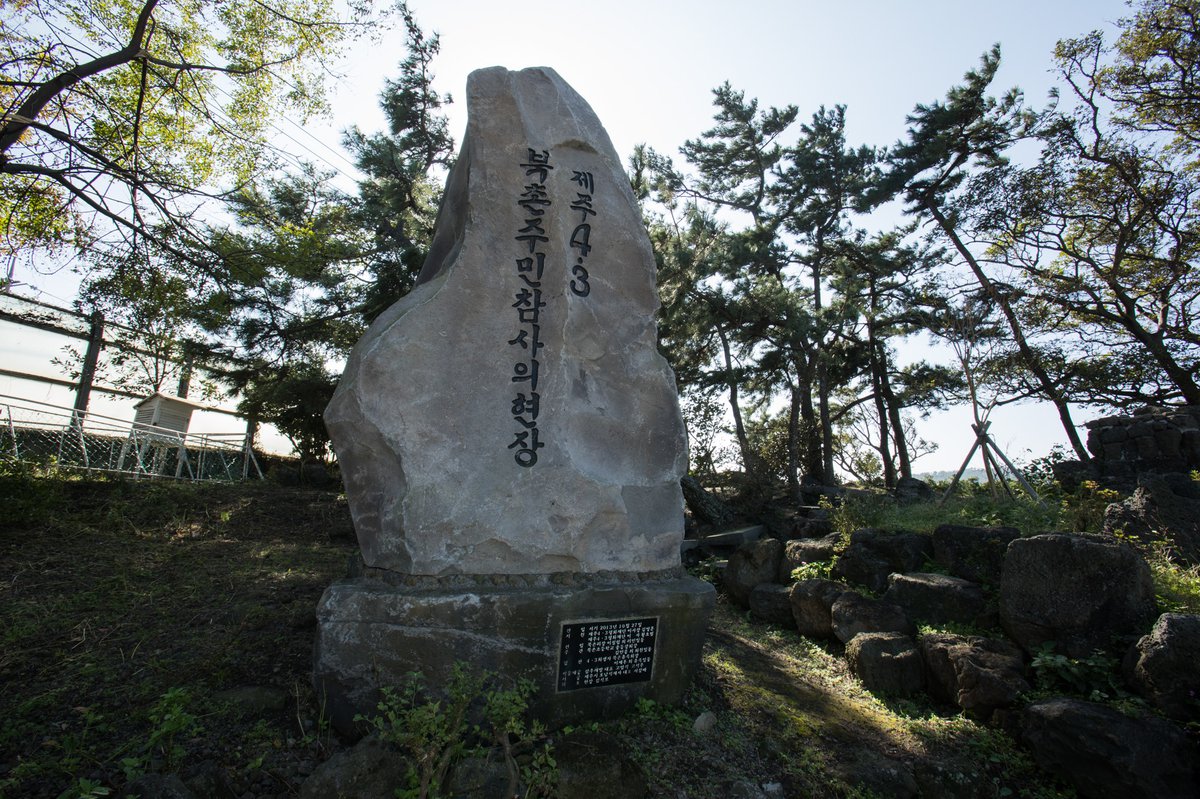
[(165, 411)]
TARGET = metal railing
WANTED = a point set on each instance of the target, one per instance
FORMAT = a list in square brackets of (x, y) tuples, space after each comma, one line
[(42, 433)]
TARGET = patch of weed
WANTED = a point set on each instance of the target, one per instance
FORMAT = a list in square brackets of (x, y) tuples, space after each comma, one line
[(434, 730), (1176, 585)]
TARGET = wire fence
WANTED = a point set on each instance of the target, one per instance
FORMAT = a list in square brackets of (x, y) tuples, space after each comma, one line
[(40, 433)]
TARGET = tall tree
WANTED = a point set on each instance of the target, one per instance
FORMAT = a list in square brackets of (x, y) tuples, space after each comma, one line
[(971, 129), (398, 199), (1154, 77), (736, 162), (120, 118), (291, 274), (1104, 227), (698, 320), (787, 205), (824, 181), (885, 279), (307, 265)]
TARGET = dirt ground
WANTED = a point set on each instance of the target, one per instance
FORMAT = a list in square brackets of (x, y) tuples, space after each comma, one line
[(168, 628)]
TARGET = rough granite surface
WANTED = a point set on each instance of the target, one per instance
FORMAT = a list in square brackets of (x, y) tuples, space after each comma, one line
[(434, 420)]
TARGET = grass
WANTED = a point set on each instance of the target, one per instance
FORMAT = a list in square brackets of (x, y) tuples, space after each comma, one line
[(127, 608), (1074, 512), (789, 712), (1082, 511), (1176, 585)]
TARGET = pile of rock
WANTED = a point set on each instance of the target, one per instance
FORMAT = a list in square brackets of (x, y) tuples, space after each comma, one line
[(1077, 593), (1163, 507), (1151, 439)]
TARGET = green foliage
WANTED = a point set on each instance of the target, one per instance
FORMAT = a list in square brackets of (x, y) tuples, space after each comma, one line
[(656, 711), (434, 730), (151, 344), (742, 303), (31, 494), (307, 265), (1095, 677), (973, 506), (991, 756), (1083, 510), (398, 201), (1100, 234), (817, 570), (115, 111), (1153, 74), (172, 721), (769, 439), (703, 414), (181, 102), (706, 570), (540, 774), (293, 397), (1176, 586), (85, 789)]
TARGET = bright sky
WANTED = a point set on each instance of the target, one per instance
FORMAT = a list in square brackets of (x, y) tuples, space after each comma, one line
[(648, 68)]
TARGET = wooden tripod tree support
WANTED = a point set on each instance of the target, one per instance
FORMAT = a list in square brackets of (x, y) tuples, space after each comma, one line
[(991, 452)]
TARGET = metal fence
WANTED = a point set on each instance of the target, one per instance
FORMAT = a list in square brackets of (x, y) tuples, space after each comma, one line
[(41, 433)]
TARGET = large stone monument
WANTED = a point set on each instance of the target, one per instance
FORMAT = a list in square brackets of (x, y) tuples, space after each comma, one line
[(510, 437)]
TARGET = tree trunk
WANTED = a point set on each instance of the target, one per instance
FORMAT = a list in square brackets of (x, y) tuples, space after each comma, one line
[(1030, 357), (885, 455), (893, 408), (1184, 380), (739, 428), (826, 429), (827, 476), (813, 461), (793, 462), (87, 374)]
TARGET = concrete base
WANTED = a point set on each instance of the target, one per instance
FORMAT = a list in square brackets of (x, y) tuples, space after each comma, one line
[(372, 633)]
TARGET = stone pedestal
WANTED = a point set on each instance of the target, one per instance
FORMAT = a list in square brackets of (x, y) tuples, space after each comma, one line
[(593, 645)]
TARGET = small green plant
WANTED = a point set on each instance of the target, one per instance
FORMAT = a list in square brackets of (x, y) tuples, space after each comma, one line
[(1083, 511), (817, 570), (84, 789), (706, 570), (32, 494), (133, 767), (435, 731), (504, 711), (1040, 471), (1094, 676), (171, 721), (1177, 586), (431, 732), (540, 774), (648, 709)]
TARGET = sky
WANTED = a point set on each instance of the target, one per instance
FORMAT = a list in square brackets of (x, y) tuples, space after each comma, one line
[(648, 69)]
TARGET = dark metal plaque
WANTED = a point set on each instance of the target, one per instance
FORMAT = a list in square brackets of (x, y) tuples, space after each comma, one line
[(611, 652)]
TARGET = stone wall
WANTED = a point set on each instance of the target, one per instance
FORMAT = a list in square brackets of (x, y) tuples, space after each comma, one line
[(1151, 439)]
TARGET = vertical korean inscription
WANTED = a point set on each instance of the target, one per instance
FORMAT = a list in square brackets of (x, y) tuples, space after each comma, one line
[(581, 235), (593, 654), (528, 303)]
